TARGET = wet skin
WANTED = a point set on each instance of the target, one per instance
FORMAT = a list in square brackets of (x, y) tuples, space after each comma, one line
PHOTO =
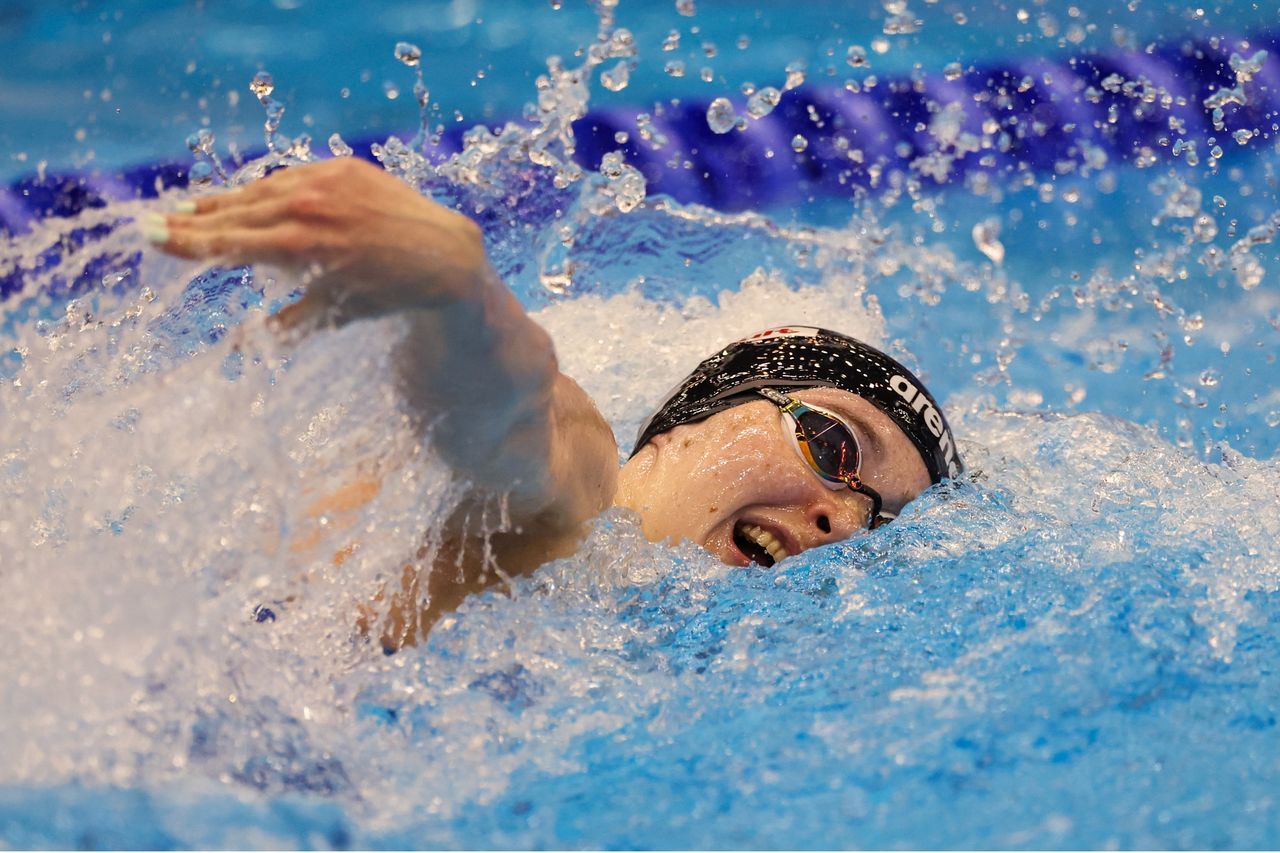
[(474, 365), (700, 481)]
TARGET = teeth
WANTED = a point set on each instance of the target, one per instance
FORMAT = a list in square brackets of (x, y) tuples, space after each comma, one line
[(765, 540)]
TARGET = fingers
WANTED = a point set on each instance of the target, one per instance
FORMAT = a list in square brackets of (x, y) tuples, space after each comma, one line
[(231, 245), (244, 214), (248, 194)]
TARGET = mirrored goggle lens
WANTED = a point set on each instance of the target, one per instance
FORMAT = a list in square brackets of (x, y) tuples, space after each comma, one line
[(829, 444)]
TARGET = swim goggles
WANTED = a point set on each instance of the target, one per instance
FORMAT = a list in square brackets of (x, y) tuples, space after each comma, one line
[(829, 446)]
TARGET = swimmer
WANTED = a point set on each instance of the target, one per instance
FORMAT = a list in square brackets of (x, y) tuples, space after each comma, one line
[(793, 438)]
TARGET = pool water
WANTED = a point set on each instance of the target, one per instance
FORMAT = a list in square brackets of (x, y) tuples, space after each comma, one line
[(1073, 647)]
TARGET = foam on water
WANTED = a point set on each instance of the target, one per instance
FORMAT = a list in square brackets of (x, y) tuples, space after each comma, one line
[(1074, 647)]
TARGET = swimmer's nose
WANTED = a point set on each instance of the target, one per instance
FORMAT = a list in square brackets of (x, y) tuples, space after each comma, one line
[(835, 521)]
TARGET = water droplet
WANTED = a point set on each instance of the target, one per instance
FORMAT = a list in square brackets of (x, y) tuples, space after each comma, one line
[(1204, 228), (111, 279), (795, 76), (200, 173), (986, 236), (856, 56), (1219, 201), (338, 147), (720, 115), (408, 53), (762, 102), (707, 75), (672, 41), (1245, 68), (674, 68), (1210, 377), (960, 18), (262, 85), (952, 71), (799, 143), (616, 79)]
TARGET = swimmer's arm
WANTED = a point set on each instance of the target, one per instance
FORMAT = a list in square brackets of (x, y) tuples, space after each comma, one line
[(474, 368), (485, 380)]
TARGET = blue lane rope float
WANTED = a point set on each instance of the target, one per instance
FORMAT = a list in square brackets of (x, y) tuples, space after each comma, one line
[(1045, 112)]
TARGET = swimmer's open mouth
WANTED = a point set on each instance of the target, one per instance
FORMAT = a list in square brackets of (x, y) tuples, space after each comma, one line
[(758, 544)]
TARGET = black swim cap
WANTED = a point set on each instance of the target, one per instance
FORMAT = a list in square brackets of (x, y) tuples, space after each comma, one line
[(794, 357)]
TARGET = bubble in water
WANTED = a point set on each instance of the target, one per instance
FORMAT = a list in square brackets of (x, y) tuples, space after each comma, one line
[(616, 78), (762, 102), (799, 143), (707, 75), (1210, 377), (674, 68), (557, 4), (952, 71), (408, 53), (986, 236), (1273, 418), (686, 8), (338, 147), (262, 85), (1242, 136), (672, 41), (720, 115), (856, 56)]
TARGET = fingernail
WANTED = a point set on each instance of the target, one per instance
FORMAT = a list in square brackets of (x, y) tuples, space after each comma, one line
[(185, 206), (154, 228)]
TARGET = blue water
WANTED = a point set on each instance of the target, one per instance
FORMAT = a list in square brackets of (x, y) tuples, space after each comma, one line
[(1073, 648)]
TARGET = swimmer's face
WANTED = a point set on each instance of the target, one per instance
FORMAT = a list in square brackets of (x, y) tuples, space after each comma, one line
[(726, 481)]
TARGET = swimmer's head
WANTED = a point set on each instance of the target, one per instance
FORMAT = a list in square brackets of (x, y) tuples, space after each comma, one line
[(718, 465), (793, 357)]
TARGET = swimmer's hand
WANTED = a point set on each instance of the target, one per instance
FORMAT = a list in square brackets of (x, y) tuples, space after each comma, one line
[(473, 367), (364, 242)]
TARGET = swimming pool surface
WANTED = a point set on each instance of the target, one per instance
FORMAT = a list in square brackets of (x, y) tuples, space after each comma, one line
[(1075, 647)]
